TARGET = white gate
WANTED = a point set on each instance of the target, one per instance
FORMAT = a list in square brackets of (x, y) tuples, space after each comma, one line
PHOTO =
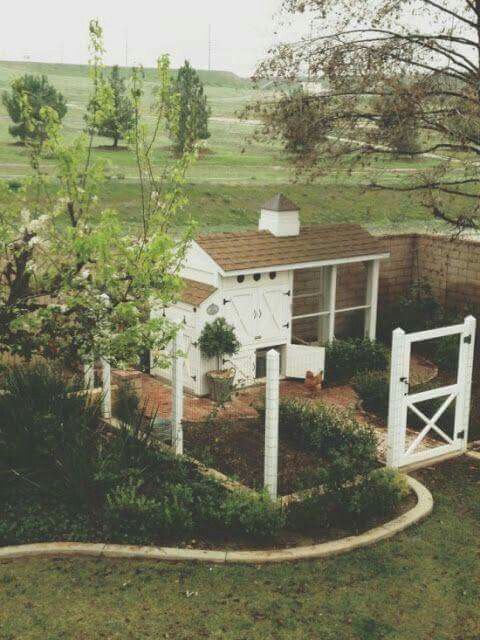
[(401, 453)]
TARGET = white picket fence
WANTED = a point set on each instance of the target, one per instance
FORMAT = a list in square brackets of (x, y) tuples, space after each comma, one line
[(421, 449)]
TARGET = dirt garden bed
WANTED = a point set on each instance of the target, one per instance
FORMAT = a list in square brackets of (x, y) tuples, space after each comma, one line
[(237, 450)]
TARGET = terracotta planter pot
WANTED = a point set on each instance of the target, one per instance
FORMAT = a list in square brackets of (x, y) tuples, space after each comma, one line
[(221, 384)]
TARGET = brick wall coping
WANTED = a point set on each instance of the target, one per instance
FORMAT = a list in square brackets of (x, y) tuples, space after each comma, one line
[(430, 236)]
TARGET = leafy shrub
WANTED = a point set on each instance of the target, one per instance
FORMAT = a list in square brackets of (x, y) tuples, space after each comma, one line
[(377, 495), (346, 358), (127, 403), (14, 185), (218, 339), (325, 430), (48, 425), (131, 515), (42, 522), (254, 515), (373, 387), (446, 354), (417, 311)]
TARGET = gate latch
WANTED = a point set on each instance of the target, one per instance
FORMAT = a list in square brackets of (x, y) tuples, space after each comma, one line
[(461, 435), (468, 339), (405, 381)]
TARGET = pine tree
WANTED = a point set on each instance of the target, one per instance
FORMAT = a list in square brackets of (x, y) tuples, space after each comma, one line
[(191, 123), (118, 120), (28, 95)]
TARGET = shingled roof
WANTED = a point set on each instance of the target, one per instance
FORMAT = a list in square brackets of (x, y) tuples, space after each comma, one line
[(260, 249), (195, 292)]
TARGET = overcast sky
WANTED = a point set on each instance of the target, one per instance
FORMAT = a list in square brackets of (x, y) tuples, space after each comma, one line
[(56, 31)]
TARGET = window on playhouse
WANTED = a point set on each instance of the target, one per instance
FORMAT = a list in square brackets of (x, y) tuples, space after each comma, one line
[(334, 301)]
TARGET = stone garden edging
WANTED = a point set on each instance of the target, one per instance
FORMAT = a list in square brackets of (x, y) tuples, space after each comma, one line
[(421, 510)]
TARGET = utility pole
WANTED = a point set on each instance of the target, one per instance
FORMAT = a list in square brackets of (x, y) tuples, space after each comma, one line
[(209, 47)]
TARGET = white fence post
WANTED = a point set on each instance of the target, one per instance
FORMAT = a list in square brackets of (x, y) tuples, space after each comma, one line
[(396, 402), (89, 372), (272, 398), (177, 390), (107, 389), (465, 370)]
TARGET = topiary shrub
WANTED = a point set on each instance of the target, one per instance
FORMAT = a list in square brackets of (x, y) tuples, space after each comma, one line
[(218, 339), (346, 358), (373, 387)]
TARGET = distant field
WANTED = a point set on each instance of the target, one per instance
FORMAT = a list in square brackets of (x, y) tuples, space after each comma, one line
[(229, 183)]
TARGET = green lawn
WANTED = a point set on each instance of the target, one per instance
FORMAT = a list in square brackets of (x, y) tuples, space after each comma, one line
[(423, 584)]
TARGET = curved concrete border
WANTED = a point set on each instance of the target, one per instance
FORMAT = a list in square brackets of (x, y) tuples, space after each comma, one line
[(421, 510)]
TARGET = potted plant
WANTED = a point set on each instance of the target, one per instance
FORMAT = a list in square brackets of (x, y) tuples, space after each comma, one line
[(218, 340)]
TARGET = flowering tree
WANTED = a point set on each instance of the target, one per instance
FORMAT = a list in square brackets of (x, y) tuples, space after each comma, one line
[(73, 282)]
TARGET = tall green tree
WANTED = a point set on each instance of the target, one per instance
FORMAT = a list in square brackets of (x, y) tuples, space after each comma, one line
[(28, 95), (118, 120), (191, 123)]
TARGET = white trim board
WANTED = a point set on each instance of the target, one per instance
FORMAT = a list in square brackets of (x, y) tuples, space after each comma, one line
[(305, 265)]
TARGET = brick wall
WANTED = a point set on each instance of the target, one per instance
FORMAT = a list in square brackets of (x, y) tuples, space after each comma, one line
[(451, 266)]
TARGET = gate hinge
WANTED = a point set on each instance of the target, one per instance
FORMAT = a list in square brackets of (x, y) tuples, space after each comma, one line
[(225, 301), (461, 435), (288, 293), (468, 339), (286, 326)]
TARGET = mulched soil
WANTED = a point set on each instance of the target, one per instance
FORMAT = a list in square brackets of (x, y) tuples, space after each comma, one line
[(237, 449)]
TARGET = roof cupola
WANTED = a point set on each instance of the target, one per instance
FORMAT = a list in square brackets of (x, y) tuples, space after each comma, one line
[(280, 216)]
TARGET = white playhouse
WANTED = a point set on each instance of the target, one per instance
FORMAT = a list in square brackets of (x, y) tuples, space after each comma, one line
[(281, 286)]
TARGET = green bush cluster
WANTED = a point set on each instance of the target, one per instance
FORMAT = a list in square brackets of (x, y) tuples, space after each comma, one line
[(346, 358), (345, 448), (377, 495), (353, 488), (373, 387), (65, 477), (324, 429), (255, 514), (418, 310), (446, 354)]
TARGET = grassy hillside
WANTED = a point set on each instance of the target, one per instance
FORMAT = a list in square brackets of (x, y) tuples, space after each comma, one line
[(56, 70), (232, 179)]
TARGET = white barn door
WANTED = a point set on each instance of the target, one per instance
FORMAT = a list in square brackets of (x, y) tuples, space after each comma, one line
[(259, 314), (401, 453)]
